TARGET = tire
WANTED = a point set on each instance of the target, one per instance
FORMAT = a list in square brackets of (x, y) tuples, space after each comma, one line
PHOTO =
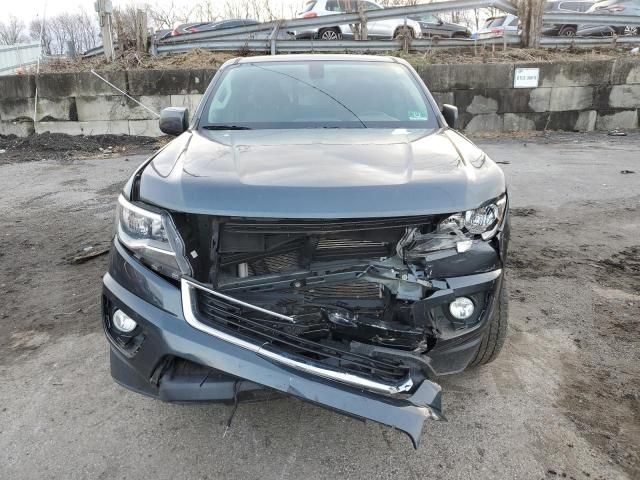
[(496, 331), (403, 31), (567, 31), (459, 35), (629, 31), (329, 34)]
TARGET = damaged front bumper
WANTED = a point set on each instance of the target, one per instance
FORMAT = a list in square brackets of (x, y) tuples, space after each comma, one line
[(223, 365)]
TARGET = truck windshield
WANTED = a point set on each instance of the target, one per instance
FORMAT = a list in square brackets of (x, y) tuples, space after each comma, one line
[(317, 94)]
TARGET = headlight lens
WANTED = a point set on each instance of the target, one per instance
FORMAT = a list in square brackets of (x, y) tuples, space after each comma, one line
[(150, 236), (483, 221)]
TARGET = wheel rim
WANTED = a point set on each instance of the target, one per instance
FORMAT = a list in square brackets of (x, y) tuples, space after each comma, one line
[(569, 33), (631, 31), (405, 33), (329, 35)]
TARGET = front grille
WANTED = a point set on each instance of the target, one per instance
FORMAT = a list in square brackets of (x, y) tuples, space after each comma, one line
[(247, 225), (242, 322), (358, 290)]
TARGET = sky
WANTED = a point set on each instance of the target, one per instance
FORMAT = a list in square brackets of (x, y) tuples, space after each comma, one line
[(29, 9)]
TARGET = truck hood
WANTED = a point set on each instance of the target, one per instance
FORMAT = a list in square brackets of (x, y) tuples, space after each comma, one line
[(320, 173)]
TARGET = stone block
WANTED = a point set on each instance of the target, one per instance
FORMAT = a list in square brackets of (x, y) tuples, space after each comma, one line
[(99, 127), (626, 71), (481, 104), (145, 128), (12, 109), (491, 122), (518, 122), (56, 109), (573, 74), (570, 98), (166, 82), (20, 129), (80, 84), (586, 121), (443, 78), (625, 119), (190, 101), (104, 107), (17, 86), (625, 96), (443, 97)]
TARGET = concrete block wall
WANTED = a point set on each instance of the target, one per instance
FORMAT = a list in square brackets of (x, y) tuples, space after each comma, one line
[(572, 96), (82, 104)]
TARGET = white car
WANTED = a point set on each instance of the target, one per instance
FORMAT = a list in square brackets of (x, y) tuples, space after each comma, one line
[(498, 26), (389, 28)]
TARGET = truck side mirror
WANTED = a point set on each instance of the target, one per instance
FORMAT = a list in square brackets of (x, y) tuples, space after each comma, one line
[(174, 120), (450, 114)]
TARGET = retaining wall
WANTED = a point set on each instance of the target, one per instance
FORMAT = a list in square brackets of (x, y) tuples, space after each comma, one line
[(572, 96)]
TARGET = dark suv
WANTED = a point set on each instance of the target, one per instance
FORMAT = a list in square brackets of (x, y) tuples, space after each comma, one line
[(564, 6), (433, 26), (319, 228)]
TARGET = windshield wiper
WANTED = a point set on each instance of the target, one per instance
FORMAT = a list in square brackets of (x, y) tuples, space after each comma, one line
[(225, 127)]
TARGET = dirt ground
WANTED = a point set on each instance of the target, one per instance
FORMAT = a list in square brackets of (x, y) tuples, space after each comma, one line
[(562, 400)]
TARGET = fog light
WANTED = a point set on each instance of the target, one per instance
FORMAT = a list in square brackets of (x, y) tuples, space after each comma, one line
[(123, 322), (461, 308)]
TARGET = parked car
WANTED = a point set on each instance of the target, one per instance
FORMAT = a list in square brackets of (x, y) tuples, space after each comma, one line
[(317, 228), (187, 28), (433, 26), (380, 29), (611, 7), (564, 6), (497, 27)]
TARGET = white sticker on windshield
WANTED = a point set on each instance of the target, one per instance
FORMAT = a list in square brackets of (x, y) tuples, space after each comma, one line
[(413, 115)]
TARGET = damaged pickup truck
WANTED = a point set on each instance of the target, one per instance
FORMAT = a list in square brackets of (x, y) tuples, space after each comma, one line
[(319, 228)]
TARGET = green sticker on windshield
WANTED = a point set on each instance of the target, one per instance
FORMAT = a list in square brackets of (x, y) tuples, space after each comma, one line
[(413, 115)]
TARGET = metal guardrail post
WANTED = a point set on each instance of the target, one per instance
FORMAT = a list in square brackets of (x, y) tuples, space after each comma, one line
[(273, 38)]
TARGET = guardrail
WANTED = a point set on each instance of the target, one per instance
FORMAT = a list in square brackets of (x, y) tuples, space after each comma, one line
[(419, 45), (344, 19), (592, 19)]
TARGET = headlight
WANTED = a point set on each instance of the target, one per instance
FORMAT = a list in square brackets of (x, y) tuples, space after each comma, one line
[(152, 238), (457, 231), (483, 221)]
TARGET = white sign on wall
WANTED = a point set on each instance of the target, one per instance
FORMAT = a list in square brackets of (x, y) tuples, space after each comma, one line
[(526, 78)]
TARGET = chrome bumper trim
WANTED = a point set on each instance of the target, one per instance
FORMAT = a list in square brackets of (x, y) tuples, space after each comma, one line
[(314, 368)]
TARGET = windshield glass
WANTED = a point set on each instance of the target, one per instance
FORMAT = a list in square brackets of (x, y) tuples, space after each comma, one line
[(317, 94)]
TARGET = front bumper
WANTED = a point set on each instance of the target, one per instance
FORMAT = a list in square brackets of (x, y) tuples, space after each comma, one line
[(167, 331)]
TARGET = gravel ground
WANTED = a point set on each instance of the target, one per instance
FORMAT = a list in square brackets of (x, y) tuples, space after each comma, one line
[(562, 400)]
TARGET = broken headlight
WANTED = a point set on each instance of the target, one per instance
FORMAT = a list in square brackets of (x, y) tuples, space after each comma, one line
[(151, 237), (456, 231), (483, 221)]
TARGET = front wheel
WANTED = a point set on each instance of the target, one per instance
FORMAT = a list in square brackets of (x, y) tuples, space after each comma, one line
[(567, 31), (329, 34), (496, 332), (403, 32), (630, 31)]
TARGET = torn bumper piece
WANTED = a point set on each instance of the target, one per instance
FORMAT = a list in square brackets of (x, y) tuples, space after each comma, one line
[(163, 331)]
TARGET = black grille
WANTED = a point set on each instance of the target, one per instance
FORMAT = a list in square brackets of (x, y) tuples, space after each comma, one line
[(247, 225), (357, 290), (230, 317)]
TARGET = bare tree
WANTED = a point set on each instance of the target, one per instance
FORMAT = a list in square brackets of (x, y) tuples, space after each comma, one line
[(530, 12), (171, 15), (78, 28), (12, 31), (35, 28)]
